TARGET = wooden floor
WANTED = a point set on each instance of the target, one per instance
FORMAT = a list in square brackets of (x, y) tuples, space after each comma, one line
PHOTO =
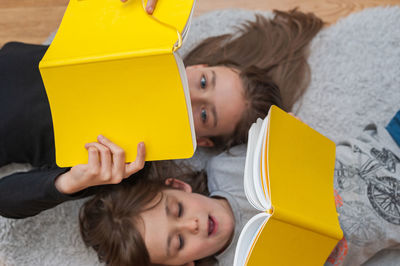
[(33, 20)]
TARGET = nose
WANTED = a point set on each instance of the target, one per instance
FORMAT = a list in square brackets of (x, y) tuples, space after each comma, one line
[(191, 225)]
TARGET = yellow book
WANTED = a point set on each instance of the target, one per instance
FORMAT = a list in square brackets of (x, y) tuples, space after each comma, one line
[(112, 69), (289, 178)]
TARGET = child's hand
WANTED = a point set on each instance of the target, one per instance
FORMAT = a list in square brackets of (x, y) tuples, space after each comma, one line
[(151, 4), (106, 165)]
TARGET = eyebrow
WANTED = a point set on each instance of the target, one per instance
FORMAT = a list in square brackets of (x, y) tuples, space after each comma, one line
[(213, 78), (169, 238), (213, 110)]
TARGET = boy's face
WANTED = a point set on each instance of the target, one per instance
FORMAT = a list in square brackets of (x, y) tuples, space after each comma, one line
[(186, 226), (217, 97)]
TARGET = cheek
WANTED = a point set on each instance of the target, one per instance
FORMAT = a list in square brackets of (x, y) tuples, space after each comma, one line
[(232, 113), (240, 107), (200, 249)]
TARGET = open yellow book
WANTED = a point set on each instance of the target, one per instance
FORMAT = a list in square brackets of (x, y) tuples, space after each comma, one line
[(112, 69), (289, 178)]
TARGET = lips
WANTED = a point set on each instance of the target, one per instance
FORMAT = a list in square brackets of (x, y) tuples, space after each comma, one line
[(212, 226)]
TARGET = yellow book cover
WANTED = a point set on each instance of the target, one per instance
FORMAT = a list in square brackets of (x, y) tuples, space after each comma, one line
[(289, 178), (112, 69)]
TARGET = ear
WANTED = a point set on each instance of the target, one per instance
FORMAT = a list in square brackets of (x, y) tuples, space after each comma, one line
[(205, 142), (178, 184)]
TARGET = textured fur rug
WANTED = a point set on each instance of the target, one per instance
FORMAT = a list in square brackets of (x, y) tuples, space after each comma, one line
[(355, 79)]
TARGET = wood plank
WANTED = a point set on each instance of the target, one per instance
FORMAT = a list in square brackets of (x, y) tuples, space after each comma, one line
[(31, 3), (33, 20), (31, 24), (329, 10)]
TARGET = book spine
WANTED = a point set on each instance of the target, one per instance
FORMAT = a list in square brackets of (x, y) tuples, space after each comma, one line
[(94, 59), (317, 226)]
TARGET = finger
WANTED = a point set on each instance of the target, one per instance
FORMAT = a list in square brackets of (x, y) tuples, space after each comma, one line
[(93, 160), (151, 4), (118, 156), (105, 154), (114, 148), (123, 1), (109, 144), (138, 164)]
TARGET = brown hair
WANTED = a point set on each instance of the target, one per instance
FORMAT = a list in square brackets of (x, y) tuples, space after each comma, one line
[(108, 220), (271, 57)]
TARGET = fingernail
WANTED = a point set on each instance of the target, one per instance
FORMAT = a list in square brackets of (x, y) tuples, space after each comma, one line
[(101, 137), (141, 145), (149, 9)]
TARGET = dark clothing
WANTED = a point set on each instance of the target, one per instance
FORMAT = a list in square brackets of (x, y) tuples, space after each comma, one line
[(26, 129), (29, 193), (26, 135)]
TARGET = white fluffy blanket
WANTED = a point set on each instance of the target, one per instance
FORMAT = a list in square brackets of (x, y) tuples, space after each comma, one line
[(355, 79)]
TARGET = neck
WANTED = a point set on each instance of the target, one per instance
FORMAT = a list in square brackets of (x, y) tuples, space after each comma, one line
[(227, 206)]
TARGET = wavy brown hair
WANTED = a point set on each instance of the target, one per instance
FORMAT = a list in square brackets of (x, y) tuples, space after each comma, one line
[(271, 57), (108, 222)]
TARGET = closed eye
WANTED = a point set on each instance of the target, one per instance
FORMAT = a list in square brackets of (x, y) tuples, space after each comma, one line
[(180, 209), (181, 242)]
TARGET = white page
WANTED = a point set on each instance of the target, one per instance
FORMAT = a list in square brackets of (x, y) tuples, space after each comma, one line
[(184, 80), (248, 236), (248, 182), (264, 156), (188, 23), (258, 186)]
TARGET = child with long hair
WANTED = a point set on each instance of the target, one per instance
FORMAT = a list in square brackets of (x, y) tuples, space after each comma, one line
[(232, 82)]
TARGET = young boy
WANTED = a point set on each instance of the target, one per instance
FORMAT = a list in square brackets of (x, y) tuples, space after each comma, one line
[(366, 188), (172, 224)]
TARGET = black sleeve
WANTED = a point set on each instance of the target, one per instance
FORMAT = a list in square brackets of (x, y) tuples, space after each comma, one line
[(26, 127), (26, 135), (27, 194)]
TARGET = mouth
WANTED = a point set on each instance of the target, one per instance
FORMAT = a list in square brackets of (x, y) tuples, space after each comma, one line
[(212, 226)]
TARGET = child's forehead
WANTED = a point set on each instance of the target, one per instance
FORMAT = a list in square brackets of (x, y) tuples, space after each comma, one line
[(169, 196), (161, 198)]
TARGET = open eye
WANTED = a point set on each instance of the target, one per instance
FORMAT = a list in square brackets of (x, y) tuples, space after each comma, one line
[(203, 82), (203, 115)]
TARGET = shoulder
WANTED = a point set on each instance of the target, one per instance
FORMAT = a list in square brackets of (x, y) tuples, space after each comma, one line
[(373, 139), (225, 171)]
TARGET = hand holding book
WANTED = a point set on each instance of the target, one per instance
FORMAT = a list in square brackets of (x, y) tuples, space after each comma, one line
[(106, 165), (115, 69), (151, 4)]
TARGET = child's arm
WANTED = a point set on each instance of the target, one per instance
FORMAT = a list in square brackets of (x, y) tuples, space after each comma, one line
[(27, 194), (106, 165)]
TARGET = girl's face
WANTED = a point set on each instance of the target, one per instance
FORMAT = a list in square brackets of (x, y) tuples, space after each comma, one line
[(218, 102), (185, 226)]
